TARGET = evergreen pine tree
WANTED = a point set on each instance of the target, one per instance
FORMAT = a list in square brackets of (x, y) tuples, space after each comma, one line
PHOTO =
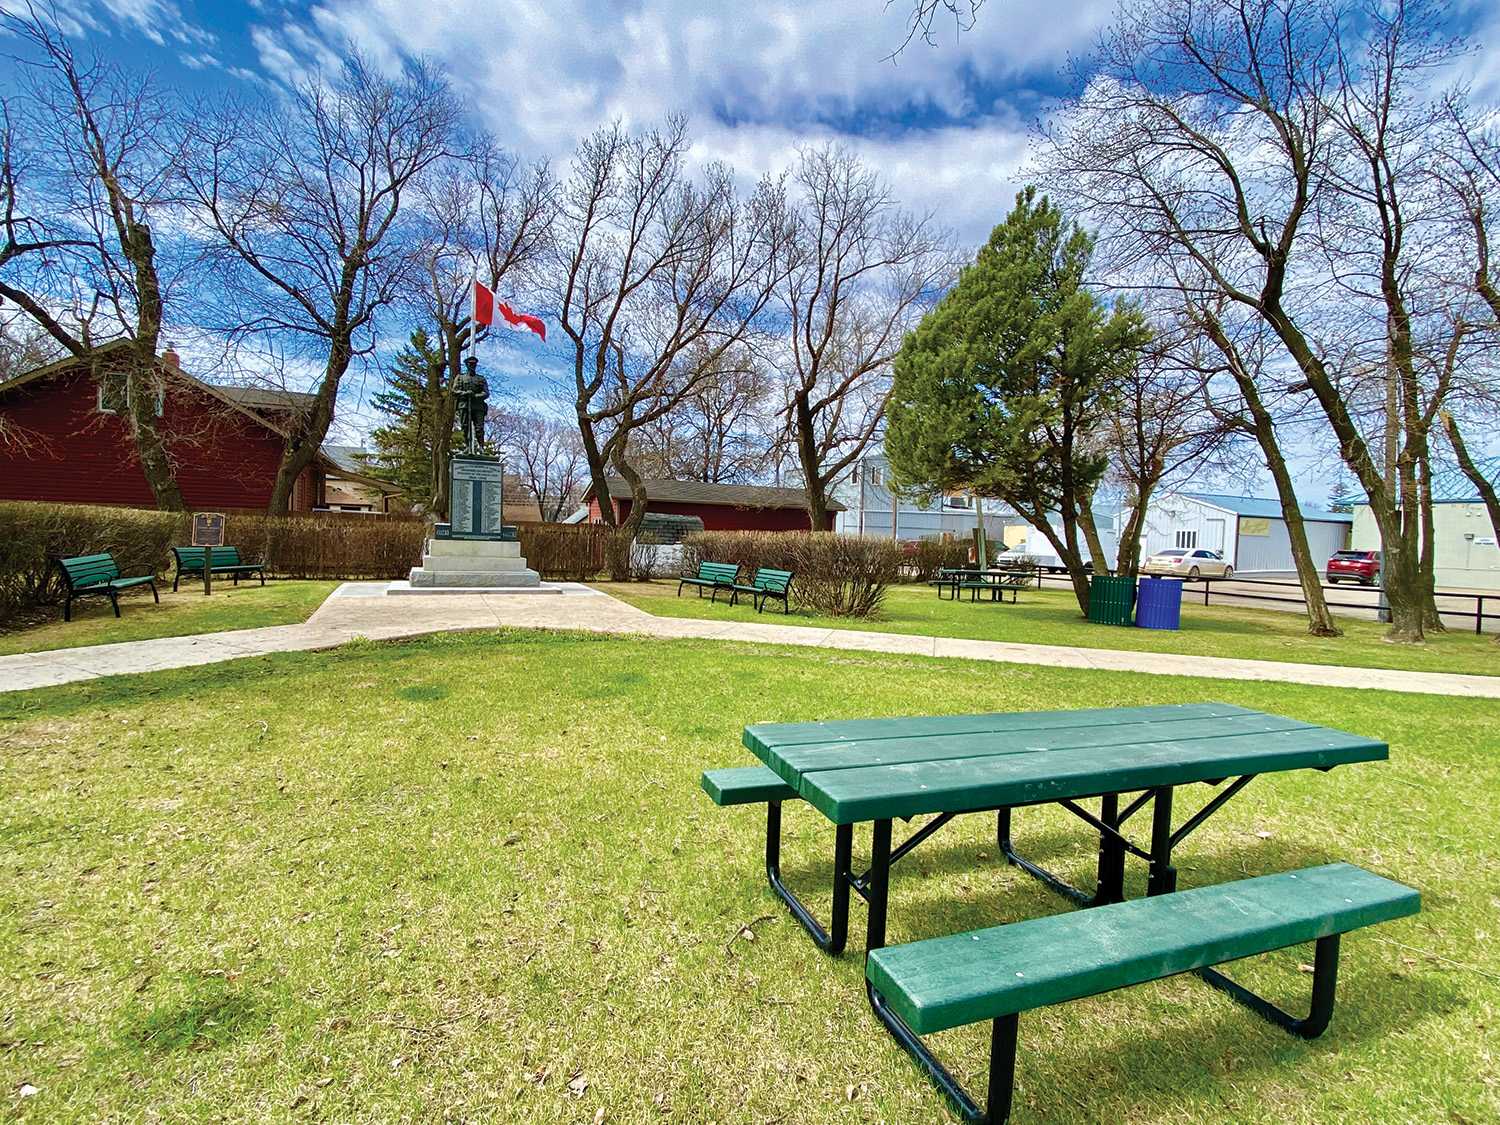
[(402, 448)]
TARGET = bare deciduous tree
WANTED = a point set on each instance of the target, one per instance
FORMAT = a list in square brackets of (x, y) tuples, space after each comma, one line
[(862, 274), (547, 455), (718, 432), (79, 259), (656, 277), (481, 215), (304, 200)]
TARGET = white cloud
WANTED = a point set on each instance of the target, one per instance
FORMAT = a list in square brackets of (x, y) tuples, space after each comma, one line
[(755, 81)]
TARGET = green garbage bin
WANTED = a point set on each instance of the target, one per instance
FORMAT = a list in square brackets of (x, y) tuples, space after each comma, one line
[(1111, 599)]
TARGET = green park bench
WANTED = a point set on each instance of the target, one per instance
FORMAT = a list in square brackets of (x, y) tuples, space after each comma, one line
[(765, 585), (711, 576), (98, 574), (224, 560), (997, 973)]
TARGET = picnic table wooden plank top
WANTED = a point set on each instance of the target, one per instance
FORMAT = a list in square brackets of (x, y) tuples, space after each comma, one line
[(872, 769)]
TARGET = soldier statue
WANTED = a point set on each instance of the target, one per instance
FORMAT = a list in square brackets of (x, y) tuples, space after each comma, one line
[(471, 394)]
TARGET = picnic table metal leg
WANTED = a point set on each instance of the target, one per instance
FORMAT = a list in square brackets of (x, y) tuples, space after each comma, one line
[(834, 939), (1325, 982), (1163, 877), (876, 889), (1111, 885)]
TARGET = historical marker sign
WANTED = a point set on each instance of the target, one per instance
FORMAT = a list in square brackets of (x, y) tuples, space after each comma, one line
[(474, 497), (208, 529)]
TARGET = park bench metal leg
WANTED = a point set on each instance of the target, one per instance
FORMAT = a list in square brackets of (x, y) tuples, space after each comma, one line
[(834, 939)]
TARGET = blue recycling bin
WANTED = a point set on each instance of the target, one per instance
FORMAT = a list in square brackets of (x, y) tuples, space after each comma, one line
[(1158, 603)]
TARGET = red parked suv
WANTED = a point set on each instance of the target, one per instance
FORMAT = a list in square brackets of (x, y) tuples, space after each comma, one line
[(1356, 566)]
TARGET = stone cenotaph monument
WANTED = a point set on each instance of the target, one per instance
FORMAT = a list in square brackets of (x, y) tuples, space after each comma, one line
[(474, 550)]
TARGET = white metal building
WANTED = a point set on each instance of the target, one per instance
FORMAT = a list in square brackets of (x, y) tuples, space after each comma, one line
[(1248, 529), (868, 511), (1467, 556)]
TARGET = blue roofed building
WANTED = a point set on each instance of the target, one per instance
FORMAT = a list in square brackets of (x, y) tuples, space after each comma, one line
[(1249, 530)]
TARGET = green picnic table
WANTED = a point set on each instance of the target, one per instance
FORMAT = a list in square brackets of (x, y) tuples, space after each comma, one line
[(879, 770)]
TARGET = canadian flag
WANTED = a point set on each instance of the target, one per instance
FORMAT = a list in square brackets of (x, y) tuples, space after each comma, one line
[(484, 312)]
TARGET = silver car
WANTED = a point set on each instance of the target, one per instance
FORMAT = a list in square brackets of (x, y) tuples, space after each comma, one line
[(1189, 564)]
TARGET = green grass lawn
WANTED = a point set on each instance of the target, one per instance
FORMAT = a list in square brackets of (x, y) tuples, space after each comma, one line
[(247, 606), (474, 878), (1050, 617)]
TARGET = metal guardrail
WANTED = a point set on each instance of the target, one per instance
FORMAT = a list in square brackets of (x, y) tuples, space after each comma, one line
[(1477, 614)]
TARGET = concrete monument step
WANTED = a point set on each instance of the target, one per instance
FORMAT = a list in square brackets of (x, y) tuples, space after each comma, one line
[(470, 548), (421, 577), (447, 564)]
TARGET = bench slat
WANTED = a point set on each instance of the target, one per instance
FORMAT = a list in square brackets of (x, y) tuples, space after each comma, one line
[(762, 737), (746, 785), (947, 982), (848, 796), (886, 752)]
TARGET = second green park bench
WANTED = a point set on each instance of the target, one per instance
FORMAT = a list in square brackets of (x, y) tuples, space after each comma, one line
[(224, 560), (98, 574), (765, 585), (711, 576), (995, 974)]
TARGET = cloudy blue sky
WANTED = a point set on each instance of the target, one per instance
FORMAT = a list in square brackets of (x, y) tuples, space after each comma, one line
[(947, 125)]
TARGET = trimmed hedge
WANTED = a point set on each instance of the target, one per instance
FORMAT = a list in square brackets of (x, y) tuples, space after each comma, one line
[(31, 535), (841, 575), (574, 552), (318, 546), (923, 558)]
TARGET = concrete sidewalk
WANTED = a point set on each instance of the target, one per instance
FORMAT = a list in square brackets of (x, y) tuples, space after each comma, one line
[(362, 609)]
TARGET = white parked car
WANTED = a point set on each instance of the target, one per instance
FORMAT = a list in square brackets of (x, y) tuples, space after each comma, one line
[(1189, 564)]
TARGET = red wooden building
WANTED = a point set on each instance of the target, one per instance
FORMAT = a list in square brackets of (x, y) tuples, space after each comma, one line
[(62, 441), (721, 507)]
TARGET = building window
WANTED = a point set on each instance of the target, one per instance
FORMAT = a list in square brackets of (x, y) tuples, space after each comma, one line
[(873, 476), (963, 502), (1187, 540), (112, 396)]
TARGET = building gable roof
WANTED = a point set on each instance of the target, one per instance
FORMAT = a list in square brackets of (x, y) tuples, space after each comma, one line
[(704, 492), (1260, 507)]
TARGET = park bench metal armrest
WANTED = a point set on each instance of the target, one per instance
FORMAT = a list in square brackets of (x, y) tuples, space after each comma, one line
[(98, 574)]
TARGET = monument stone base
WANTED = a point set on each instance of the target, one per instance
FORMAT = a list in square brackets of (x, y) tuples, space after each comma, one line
[(473, 564)]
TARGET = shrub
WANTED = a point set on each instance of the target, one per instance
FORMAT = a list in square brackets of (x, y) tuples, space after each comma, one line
[(842, 575), (331, 546), (573, 552), (923, 558), (33, 534)]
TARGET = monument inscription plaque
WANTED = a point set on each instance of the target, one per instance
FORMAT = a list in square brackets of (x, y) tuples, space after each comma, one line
[(475, 499)]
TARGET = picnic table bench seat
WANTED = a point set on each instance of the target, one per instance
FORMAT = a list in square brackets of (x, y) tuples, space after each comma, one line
[(995, 974), (98, 574), (711, 576), (765, 584), (223, 560), (745, 785)]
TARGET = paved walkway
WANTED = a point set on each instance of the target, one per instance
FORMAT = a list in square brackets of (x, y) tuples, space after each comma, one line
[(361, 609)]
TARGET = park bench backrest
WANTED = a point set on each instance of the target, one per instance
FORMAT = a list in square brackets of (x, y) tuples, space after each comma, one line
[(88, 570), (718, 572), (191, 558), (774, 580)]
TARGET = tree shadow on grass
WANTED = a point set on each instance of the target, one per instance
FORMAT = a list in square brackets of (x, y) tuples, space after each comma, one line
[(211, 1015)]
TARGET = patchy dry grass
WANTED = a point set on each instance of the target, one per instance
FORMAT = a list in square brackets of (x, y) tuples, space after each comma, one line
[(474, 877)]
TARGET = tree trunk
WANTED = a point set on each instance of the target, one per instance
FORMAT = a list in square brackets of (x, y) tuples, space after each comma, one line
[(308, 432), (812, 480), (1128, 560), (1432, 620), (1262, 425), (1091, 536)]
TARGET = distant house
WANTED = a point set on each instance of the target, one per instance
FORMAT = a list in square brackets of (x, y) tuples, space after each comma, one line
[(67, 443), (1466, 556), (721, 507)]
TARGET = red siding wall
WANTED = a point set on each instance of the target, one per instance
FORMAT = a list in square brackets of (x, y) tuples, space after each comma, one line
[(74, 454), (723, 517)]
